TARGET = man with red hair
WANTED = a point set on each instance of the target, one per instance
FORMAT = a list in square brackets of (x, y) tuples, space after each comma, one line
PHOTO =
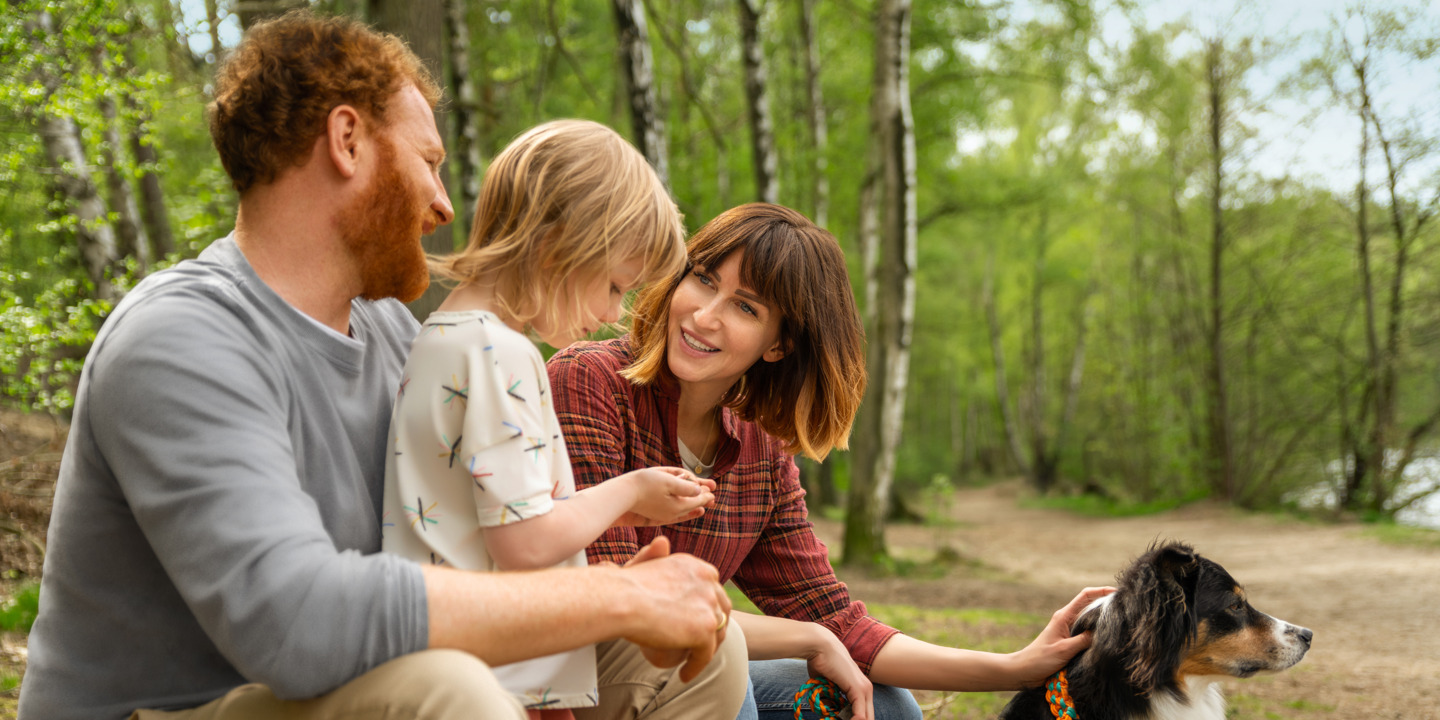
[(214, 544)]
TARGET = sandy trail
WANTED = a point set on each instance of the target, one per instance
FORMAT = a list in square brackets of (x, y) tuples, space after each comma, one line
[(1373, 606)]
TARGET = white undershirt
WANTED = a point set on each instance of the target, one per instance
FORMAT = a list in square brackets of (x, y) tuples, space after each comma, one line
[(692, 461)]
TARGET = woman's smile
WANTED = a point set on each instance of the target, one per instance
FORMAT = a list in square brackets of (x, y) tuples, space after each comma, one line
[(697, 344)]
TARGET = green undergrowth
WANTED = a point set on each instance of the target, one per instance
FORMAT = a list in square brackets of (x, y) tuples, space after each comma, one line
[(1396, 534), (17, 612), (1097, 506)]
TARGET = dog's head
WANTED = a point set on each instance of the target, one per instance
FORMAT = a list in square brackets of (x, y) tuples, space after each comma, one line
[(1177, 615)]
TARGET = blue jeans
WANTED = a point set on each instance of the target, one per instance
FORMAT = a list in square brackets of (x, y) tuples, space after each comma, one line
[(773, 684)]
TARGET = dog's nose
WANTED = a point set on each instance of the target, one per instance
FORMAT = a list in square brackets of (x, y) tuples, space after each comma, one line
[(1304, 634)]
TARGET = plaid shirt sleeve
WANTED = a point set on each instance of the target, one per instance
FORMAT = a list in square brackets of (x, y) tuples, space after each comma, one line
[(588, 400), (788, 574)]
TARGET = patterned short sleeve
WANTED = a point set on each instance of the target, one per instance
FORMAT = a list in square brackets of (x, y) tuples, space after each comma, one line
[(507, 446)]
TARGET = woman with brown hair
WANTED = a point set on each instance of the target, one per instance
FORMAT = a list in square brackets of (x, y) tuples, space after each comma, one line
[(752, 354)]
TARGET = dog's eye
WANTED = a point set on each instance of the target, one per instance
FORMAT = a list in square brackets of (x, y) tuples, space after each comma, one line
[(1237, 606)]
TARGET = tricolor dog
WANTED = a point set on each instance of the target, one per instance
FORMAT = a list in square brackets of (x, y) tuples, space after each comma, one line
[(1175, 627)]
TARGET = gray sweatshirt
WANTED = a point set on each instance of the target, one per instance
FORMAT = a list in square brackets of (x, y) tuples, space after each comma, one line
[(216, 517)]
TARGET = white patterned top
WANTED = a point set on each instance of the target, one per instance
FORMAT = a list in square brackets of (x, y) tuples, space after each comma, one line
[(474, 443)]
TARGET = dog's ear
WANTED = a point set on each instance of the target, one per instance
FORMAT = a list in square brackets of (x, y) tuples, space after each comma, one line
[(1164, 581)]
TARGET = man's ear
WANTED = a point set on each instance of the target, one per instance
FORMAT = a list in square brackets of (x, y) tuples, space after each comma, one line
[(343, 128)]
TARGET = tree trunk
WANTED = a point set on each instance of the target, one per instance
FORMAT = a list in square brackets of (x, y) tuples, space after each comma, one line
[(467, 119), (819, 134), (1370, 456), (131, 238), (152, 196), (818, 479), (96, 239), (212, 23), (1002, 386), (757, 104), (253, 11), (638, 68), (147, 171), (888, 354), (70, 171), (1221, 461), (421, 23), (1042, 467)]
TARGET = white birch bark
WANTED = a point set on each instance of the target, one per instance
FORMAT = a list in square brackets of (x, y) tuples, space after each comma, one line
[(892, 311), (757, 104), (638, 68)]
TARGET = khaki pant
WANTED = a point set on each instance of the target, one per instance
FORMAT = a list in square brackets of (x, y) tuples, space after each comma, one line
[(633, 689), (451, 685)]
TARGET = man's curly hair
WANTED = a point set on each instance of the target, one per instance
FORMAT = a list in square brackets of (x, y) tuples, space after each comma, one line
[(275, 90)]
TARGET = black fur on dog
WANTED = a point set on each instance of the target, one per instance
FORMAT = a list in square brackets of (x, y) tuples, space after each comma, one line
[(1176, 625)]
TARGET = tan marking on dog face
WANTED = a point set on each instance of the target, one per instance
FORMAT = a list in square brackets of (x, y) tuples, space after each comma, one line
[(1241, 653)]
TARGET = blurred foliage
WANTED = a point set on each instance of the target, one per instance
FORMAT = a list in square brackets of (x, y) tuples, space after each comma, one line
[(1069, 168)]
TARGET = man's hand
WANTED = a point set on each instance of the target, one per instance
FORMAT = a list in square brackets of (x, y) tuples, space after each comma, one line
[(686, 611)]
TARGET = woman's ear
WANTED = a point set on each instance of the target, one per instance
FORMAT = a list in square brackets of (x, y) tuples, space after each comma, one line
[(779, 350)]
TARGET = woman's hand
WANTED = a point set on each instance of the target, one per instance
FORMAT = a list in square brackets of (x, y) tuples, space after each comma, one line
[(832, 661), (665, 495), (1055, 645)]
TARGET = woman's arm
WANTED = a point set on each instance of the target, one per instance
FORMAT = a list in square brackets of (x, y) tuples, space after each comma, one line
[(910, 663), (772, 638), (787, 572)]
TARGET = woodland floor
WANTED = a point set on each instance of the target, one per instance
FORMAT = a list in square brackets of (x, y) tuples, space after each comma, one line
[(1373, 606)]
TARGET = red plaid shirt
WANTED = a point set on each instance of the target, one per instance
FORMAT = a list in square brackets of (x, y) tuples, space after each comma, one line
[(757, 533)]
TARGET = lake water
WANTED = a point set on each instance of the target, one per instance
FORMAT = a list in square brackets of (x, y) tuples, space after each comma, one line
[(1422, 473)]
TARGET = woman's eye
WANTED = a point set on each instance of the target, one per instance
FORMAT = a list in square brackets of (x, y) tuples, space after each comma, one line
[(702, 277), (745, 307)]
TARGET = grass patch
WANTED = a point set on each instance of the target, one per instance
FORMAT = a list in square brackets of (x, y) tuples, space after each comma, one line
[(1393, 533), (739, 602), (1097, 506), (17, 612), (983, 629)]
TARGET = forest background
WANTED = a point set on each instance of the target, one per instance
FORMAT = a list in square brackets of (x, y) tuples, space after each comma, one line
[(1084, 254)]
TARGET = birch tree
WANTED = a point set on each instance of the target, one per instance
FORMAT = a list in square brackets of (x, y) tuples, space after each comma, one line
[(638, 68), (890, 283), (815, 111), (757, 103), (68, 165), (467, 114)]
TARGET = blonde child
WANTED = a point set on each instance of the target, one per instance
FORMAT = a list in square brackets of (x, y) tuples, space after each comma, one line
[(570, 218)]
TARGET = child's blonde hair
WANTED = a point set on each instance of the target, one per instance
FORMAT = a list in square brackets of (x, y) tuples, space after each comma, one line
[(564, 202)]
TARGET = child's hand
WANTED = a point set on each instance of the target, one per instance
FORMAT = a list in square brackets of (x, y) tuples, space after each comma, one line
[(665, 495)]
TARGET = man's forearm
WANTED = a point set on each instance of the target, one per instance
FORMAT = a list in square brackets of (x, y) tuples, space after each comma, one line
[(658, 601), (506, 617)]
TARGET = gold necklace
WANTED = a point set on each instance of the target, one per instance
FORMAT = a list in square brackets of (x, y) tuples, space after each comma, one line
[(700, 464)]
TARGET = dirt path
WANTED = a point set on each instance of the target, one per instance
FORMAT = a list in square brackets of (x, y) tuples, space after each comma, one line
[(1374, 607)]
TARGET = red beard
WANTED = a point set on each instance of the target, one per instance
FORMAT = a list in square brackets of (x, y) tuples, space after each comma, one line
[(382, 229)]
